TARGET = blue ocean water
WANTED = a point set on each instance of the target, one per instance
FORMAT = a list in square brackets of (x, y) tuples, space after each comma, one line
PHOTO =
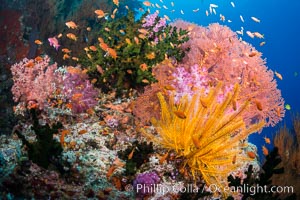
[(280, 27)]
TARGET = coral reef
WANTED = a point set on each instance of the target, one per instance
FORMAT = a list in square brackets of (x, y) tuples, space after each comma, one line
[(201, 91)]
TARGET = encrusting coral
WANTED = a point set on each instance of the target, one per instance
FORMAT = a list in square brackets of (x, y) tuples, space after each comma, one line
[(205, 133)]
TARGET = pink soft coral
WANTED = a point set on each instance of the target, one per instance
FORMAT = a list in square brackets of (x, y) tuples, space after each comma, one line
[(216, 54), (218, 50), (34, 81)]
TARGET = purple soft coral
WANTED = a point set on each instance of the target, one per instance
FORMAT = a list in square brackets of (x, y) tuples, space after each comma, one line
[(161, 24), (79, 91), (144, 184), (185, 82), (150, 20)]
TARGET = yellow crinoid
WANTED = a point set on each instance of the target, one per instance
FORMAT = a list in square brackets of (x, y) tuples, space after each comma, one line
[(205, 132)]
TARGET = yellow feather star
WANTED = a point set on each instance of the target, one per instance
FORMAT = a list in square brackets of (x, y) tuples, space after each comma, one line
[(208, 136)]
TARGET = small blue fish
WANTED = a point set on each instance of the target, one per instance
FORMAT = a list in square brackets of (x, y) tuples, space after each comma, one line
[(86, 39)]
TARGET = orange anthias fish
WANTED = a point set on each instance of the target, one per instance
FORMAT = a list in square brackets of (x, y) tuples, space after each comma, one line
[(267, 140), (71, 25), (82, 131), (73, 70), (62, 137), (278, 111), (143, 31), (255, 19), (77, 96), (262, 43), (145, 81), (251, 154), (100, 40), (131, 154), (75, 58), (29, 64), (93, 48), (143, 67), (116, 2), (65, 50), (142, 36), (150, 56), (100, 69), (110, 171), (112, 53), (127, 40), (278, 75), (163, 158), (71, 36), (103, 46), (169, 87), (147, 3), (253, 53), (100, 13), (66, 56), (38, 42), (258, 105), (258, 35), (115, 10), (180, 114), (265, 150), (38, 59), (136, 40)]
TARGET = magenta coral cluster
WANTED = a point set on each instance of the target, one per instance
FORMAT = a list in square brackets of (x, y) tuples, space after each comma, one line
[(79, 91), (150, 20), (145, 183), (186, 82), (153, 23), (34, 81)]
